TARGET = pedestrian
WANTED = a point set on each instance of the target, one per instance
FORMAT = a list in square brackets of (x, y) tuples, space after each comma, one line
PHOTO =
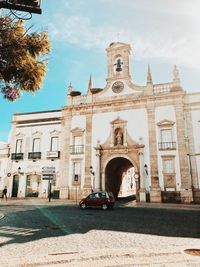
[(4, 193)]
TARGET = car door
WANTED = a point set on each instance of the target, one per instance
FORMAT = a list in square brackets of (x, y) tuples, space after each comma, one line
[(91, 200)]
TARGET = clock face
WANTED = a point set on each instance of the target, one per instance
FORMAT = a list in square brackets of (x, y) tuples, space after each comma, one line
[(118, 87)]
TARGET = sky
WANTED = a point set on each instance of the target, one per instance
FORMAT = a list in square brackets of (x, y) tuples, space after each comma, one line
[(162, 33)]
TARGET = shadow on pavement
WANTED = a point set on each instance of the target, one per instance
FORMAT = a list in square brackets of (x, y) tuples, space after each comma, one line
[(39, 222)]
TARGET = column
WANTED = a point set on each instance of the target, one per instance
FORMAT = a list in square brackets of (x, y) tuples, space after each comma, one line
[(142, 191), (186, 191), (191, 157), (97, 173), (155, 191), (103, 185), (88, 142), (65, 155)]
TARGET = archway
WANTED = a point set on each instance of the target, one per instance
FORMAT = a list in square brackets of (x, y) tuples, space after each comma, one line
[(119, 177)]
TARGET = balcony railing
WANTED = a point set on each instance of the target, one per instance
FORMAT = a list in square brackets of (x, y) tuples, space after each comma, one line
[(34, 155), (77, 149), (166, 145), (17, 156)]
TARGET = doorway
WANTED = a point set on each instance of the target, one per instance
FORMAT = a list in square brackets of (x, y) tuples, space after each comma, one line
[(119, 177), (33, 182), (15, 185)]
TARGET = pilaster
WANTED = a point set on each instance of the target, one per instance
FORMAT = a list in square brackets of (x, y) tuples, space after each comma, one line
[(142, 191), (65, 155), (88, 142), (155, 191), (186, 192), (97, 173)]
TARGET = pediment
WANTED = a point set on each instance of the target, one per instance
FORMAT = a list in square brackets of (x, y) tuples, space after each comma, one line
[(118, 45), (77, 131), (20, 135), (165, 122), (55, 133), (37, 134), (118, 121)]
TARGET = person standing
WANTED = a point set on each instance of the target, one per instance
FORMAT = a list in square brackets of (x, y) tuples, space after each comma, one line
[(4, 193)]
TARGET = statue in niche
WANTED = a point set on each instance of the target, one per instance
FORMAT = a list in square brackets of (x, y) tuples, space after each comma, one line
[(119, 138)]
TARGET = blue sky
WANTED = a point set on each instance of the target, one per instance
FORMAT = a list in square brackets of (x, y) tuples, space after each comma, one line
[(161, 32)]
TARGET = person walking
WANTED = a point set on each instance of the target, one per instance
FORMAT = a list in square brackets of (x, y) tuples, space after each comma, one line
[(4, 193)]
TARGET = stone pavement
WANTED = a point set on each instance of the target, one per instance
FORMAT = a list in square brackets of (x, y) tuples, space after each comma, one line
[(99, 248)]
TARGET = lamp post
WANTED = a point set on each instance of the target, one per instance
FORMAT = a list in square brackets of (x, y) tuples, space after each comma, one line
[(93, 174)]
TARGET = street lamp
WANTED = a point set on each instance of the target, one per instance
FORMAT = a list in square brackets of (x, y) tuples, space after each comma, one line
[(93, 174), (19, 171)]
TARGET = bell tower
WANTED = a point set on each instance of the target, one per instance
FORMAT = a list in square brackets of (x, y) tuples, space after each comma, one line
[(118, 56)]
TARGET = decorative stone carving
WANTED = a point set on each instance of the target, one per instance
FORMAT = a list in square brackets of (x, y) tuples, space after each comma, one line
[(118, 137)]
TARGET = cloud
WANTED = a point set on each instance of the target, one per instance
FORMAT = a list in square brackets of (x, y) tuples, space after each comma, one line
[(170, 37)]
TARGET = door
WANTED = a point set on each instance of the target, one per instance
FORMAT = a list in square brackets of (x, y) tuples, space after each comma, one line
[(15, 185)]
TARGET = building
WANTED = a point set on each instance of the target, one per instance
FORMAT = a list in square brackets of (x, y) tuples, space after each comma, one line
[(123, 138), (4, 155)]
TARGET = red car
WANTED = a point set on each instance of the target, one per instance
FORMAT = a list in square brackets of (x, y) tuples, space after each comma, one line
[(104, 200)]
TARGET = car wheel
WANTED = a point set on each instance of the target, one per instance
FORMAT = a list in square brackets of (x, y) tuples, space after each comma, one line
[(104, 207), (83, 205)]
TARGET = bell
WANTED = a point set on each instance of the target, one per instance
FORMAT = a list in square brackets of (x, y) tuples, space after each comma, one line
[(119, 68), (119, 63)]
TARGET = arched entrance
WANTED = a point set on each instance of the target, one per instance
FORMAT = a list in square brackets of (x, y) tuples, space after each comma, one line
[(119, 177)]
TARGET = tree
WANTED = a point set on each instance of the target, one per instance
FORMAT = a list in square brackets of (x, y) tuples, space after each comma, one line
[(22, 58)]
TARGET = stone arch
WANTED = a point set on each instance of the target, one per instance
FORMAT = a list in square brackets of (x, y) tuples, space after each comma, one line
[(114, 169), (133, 161)]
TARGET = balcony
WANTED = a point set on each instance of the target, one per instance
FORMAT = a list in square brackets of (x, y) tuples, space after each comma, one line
[(53, 154), (167, 145), (77, 149), (34, 155), (17, 156)]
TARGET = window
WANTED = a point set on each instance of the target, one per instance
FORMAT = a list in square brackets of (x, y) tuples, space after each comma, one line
[(54, 143), (77, 168), (77, 146), (166, 135), (169, 174), (28, 182), (77, 140), (169, 166), (18, 148), (76, 171), (36, 145)]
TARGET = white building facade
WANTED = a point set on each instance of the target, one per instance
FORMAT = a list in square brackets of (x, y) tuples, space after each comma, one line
[(123, 138)]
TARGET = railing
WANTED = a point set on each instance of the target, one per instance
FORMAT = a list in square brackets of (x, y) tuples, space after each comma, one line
[(166, 145), (17, 156), (77, 149), (34, 155), (162, 88)]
